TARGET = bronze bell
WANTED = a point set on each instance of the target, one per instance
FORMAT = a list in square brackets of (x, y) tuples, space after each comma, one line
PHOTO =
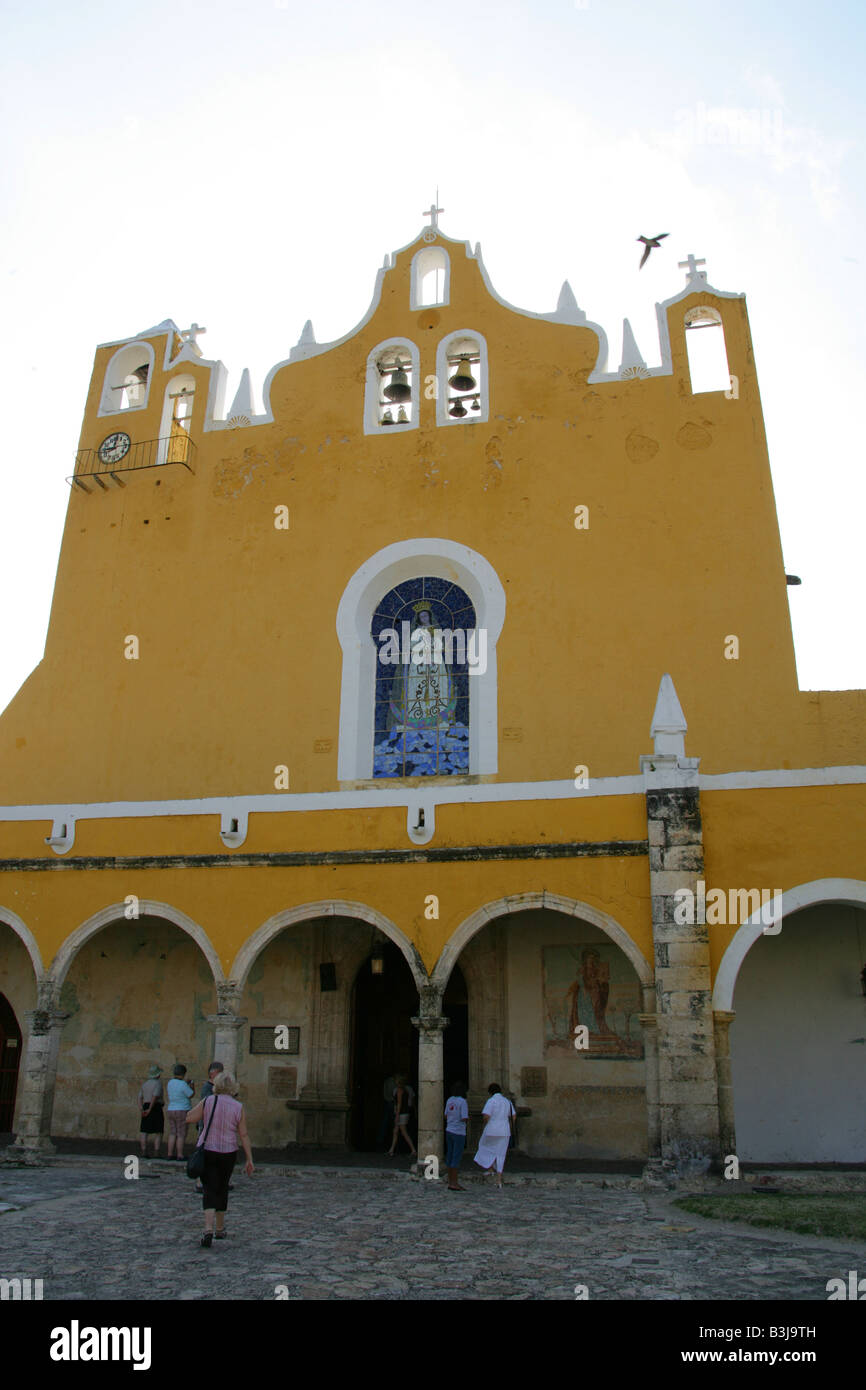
[(476, 404), (402, 417), (387, 418), (398, 388), (463, 380), (458, 409)]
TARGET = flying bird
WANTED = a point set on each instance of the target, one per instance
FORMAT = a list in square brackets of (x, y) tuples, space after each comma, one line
[(650, 242)]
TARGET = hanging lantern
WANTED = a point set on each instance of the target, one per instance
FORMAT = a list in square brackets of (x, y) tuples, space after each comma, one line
[(398, 388), (463, 380)]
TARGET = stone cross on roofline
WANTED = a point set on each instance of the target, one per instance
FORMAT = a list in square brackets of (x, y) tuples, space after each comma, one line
[(189, 334), (693, 273), (433, 213)]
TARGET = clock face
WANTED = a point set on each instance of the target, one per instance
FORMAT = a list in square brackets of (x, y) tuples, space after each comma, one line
[(114, 448)]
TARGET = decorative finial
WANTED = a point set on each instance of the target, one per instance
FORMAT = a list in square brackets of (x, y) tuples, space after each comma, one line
[(690, 265), (669, 723), (632, 364)]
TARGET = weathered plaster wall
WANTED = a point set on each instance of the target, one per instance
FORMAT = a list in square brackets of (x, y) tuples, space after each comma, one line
[(138, 993), (595, 1106)]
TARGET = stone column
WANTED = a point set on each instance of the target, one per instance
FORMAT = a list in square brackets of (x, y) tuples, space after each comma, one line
[(227, 1023), (38, 1077), (688, 1091), (431, 1087), (722, 1020)]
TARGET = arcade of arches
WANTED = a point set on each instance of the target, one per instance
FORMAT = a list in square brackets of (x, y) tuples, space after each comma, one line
[(521, 990)]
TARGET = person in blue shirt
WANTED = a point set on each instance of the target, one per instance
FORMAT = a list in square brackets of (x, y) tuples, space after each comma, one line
[(456, 1115), (180, 1093)]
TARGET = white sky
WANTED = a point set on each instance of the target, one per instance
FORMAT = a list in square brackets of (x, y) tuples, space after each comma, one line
[(248, 167)]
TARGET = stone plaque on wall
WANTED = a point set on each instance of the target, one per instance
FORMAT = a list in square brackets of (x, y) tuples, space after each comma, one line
[(533, 1081), (274, 1040), (283, 1082)]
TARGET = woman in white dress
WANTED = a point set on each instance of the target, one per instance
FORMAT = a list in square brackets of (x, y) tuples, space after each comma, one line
[(496, 1135)]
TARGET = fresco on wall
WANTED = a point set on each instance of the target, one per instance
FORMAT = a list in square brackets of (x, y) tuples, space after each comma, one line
[(593, 985)]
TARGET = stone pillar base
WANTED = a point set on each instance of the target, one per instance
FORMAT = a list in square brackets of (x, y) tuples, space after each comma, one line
[(660, 1173)]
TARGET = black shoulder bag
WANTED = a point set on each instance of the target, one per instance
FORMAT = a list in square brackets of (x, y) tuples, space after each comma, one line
[(195, 1162)]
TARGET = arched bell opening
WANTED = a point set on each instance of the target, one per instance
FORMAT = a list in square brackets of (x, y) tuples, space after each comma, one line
[(127, 379), (706, 350)]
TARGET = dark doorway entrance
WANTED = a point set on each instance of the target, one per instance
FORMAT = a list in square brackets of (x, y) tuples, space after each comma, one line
[(10, 1060), (385, 1043)]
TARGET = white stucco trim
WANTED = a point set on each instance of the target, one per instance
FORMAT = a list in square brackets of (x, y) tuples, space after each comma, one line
[(434, 791), (782, 777), (116, 913), (850, 892), (524, 902), (307, 912), (413, 559), (11, 919)]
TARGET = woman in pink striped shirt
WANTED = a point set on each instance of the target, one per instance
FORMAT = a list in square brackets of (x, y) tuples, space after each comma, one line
[(223, 1126)]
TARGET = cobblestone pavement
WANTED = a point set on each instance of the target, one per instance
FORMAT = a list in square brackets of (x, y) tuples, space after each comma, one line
[(356, 1234)]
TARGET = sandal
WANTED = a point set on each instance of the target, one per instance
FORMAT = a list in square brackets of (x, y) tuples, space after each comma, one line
[(207, 1239), (220, 1235)]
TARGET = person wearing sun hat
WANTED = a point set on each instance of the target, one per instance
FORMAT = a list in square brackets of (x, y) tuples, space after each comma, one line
[(151, 1107)]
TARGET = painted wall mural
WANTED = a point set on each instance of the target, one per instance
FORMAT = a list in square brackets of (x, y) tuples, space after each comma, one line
[(594, 985)]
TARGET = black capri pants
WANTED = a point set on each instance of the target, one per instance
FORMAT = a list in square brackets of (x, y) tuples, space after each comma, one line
[(215, 1179)]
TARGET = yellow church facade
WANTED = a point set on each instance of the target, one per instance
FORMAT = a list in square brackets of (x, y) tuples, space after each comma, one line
[(438, 716)]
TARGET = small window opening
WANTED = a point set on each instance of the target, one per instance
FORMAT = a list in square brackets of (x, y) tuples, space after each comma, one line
[(430, 271), (707, 354), (463, 378), (395, 388)]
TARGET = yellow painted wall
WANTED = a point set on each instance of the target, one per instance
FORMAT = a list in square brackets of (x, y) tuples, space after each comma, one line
[(240, 665)]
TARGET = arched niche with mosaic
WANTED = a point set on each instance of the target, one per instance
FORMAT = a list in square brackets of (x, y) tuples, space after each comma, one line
[(424, 631)]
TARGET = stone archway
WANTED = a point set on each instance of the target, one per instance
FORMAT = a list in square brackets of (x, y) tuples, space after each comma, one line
[(21, 986), (128, 993), (598, 1104), (791, 997)]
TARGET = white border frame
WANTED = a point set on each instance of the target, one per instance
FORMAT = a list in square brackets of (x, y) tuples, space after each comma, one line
[(414, 559)]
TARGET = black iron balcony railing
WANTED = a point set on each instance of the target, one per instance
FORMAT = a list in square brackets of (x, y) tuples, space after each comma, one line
[(149, 453)]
